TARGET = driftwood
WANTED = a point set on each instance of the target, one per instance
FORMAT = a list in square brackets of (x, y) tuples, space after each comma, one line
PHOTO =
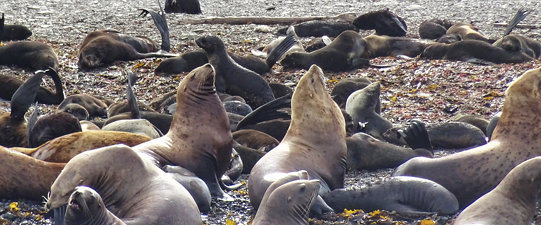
[(346, 17), (528, 26)]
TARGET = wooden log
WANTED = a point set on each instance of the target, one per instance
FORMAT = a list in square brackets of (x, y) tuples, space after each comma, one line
[(346, 17), (528, 26)]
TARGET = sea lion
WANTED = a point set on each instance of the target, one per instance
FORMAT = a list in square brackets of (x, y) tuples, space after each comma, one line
[(472, 173), (197, 187), (76, 110), (134, 189), (13, 32), (343, 89), (455, 135), (473, 51), (9, 84), (317, 28), (136, 126), (315, 142), (402, 194), (288, 203), (467, 31), (232, 78), (94, 106), (161, 121), (255, 139), (383, 21), (513, 201), (361, 106), (492, 125), (434, 28), (207, 152), (237, 107), (182, 6), (342, 54), (29, 54), (86, 207), (280, 90), (381, 46), (519, 43), (51, 126), (476, 120)]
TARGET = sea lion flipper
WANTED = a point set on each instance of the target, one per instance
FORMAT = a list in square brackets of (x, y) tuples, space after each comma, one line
[(25, 95), (519, 16), (132, 100), (31, 122), (268, 111), (59, 90), (161, 24), (59, 214), (283, 47), (416, 135)]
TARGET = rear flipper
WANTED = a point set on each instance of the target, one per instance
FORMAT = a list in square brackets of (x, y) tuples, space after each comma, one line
[(283, 47), (25, 95), (161, 24), (519, 16)]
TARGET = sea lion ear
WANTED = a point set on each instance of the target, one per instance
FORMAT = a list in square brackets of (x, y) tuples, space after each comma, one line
[(289, 199), (302, 188)]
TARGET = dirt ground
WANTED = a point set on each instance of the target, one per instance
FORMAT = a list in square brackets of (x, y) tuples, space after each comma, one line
[(433, 91)]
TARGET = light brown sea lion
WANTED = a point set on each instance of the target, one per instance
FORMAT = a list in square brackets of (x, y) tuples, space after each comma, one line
[(467, 31), (133, 189), (86, 207), (472, 173), (513, 201), (315, 142), (288, 203), (199, 138), (380, 46)]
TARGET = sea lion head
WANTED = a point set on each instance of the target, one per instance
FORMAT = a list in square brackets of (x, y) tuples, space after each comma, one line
[(293, 60), (84, 204), (296, 197), (524, 93), (76, 110), (16, 32), (210, 44), (435, 51), (199, 81), (90, 57)]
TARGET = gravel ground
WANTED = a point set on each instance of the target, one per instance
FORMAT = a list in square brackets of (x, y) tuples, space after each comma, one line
[(411, 89)]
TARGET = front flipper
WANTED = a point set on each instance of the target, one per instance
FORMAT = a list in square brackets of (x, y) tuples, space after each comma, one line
[(416, 135)]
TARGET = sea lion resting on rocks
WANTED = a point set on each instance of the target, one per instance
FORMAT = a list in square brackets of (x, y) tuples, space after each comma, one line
[(13, 32), (519, 43), (513, 201), (133, 189), (29, 54), (305, 147), (472, 173), (473, 51)]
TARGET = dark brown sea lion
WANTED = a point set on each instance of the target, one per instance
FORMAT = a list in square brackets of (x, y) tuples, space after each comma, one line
[(13, 32), (472, 173), (345, 87), (232, 78), (383, 21), (434, 28), (9, 84), (455, 135), (476, 120), (513, 201), (182, 6), (76, 110), (519, 43), (94, 106), (287, 203), (380, 46), (361, 106), (51, 126), (315, 142), (28, 54), (255, 139), (402, 194), (126, 187), (86, 207), (342, 54), (207, 152), (473, 51), (280, 90)]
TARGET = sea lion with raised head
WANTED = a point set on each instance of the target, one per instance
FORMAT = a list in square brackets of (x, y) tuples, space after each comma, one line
[(383, 21), (207, 152), (13, 32), (182, 6), (472, 173), (315, 142), (86, 207), (402, 194), (513, 201), (134, 189), (29, 54)]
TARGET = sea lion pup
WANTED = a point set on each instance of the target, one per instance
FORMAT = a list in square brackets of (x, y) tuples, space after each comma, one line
[(319, 28), (345, 87), (288, 203), (13, 124), (402, 194), (207, 152), (9, 84), (519, 43), (28, 54), (25, 177), (182, 6), (134, 189), (94, 106), (473, 51), (51, 126), (342, 54), (86, 207), (472, 173), (513, 201), (232, 78), (383, 21), (380, 46), (434, 28), (13, 32), (315, 142), (361, 106)]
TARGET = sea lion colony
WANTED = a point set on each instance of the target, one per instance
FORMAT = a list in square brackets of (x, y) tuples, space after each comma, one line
[(96, 107)]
